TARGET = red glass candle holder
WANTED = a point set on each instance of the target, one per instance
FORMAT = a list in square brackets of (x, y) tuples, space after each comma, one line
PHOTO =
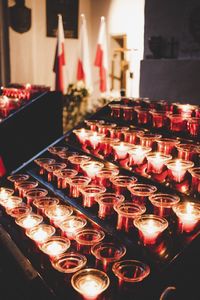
[(43, 161), (19, 211), (130, 271), (82, 134), (148, 139), (178, 123), (127, 212), (118, 132), (193, 126), (69, 263), (159, 119), (177, 169), (103, 177), (5, 193), (137, 155), (90, 283), (58, 213), (24, 186), (51, 168), (15, 179), (76, 183), (130, 136), (195, 185), (92, 168), (40, 233), (106, 146), (188, 214), (163, 203), (156, 162), (43, 203), (34, 194), (107, 253), (55, 246), (143, 115), (115, 110), (86, 238), (150, 228), (77, 160), (92, 124), (127, 112), (29, 221), (121, 150), (106, 204), (10, 202), (140, 192), (63, 177), (166, 146), (95, 139), (90, 194), (186, 110), (71, 226), (120, 183), (188, 152), (56, 150), (104, 128)]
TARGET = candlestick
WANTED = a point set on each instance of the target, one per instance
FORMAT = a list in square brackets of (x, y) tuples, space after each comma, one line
[(195, 186), (5, 193), (106, 204), (15, 179), (121, 149), (188, 152), (193, 126), (103, 177), (29, 221), (130, 271), (156, 162), (120, 183), (77, 160), (25, 186), (43, 203), (56, 150), (34, 194), (19, 211), (40, 233), (148, 139), (118, 132), (55, 246), (90, 283), (166, 146), (188, 214), (10, 202), (150, 227), (163, 203), (127, 212), (76, 183), (90, 194), (115, 110), (104, 128), (141, 191), (69, 262), (71, 225), (178, 168), (95, 139), (106, 146), (143, 116), (137, 155), (186, 110), (178, 123), (58, 213), (107, 253), (86, 238), (159, 119), (81, 134), (92, 168), (130, 136), (43, 161), (63, 177), (127, 112), (92, 124), (51, 168)]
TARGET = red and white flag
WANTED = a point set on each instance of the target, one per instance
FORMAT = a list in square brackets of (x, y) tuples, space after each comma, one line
[(59, 62), (101, 59), (84, 67)]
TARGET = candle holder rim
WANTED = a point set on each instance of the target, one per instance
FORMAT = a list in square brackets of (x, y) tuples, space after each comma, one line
[(8, 190), (164, 157), (121, 251), (50, 228), (73, 158), (10, 178), (116, 179), (140, 209), (41, 159), (195, 172), (120, 275), (65, 172), (168, 140), (69, 255), (139, 147), (62, 239), (86, 189), (65, 207), (150, 136), (83, 222), (22, 206), (39, 217), (162, 221), (186, 164), (177, 208), (188, 147), (133, 188), (155, 200), (99, 233), (119, 198), (109, 172), (37, 202), (57, 149), (36, 190)]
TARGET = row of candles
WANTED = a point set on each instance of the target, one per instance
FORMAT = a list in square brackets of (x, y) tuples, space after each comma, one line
[(186, 118), (145, 153), (102, 184), (89, 282), (7, 105)]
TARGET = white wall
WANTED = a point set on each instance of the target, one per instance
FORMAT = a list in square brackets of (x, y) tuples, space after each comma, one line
[(32, 53)]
